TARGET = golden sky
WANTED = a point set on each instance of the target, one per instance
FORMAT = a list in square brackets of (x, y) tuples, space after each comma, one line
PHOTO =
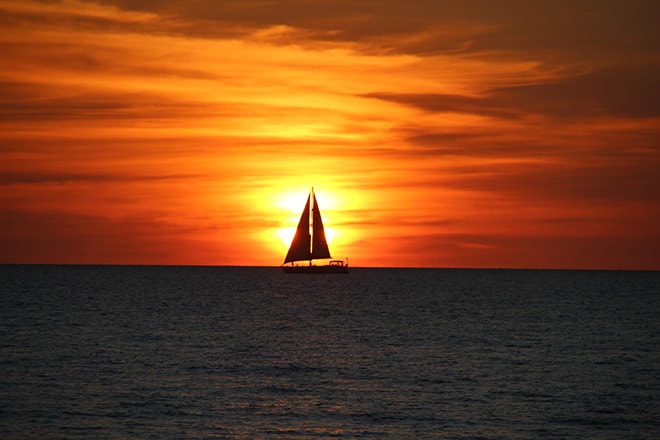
[(436, 133)]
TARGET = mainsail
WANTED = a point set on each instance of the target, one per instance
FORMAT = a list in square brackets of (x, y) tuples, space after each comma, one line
[(306, 246), (319, 243)]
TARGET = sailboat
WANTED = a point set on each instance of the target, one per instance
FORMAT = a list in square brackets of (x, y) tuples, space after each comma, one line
[(307, 246)]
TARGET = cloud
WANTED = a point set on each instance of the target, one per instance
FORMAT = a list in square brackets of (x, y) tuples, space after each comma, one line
[(64, 177), (614, 91), (588, 28), (625, 91), (504, 250), (608, 181), (60, 237), (475, 125)]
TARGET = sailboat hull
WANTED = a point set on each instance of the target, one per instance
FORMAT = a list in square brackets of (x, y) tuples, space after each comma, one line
[(331, 269)]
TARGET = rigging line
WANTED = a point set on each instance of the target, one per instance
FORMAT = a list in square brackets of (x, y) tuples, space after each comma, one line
[(312, 206)]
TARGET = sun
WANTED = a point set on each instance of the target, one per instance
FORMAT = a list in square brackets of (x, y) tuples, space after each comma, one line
[(329, 234), (283, 211), (286, 235), (292, 203)]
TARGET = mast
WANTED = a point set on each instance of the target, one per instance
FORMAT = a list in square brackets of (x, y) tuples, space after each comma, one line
[(319, 242), (309, 241), (312, 208)]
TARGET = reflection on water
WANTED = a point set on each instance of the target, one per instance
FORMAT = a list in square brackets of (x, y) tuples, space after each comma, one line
[(166, 352)]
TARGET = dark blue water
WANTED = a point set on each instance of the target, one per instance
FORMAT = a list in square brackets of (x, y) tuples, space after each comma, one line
[(204, 352)]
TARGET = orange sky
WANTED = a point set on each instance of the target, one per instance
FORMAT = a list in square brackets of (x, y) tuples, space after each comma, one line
[(436, 133)]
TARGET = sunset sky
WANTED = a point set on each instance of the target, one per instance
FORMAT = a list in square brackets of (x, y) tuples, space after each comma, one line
[(436, 133)]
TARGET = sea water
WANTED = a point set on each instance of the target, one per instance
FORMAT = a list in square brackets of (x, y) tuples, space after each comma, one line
[(123, 352)]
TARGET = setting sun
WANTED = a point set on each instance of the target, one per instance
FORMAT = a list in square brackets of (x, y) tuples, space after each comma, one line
[(286, 235), (292, 204)]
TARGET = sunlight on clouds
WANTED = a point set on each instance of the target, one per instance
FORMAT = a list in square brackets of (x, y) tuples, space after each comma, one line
[(435, 133), (75, 8)]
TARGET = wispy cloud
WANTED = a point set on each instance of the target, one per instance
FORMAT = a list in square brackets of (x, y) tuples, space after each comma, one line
[(470, 131)]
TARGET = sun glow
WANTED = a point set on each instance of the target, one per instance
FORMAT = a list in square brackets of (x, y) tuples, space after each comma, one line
[(291, 203), (286, 235), (451, 140)]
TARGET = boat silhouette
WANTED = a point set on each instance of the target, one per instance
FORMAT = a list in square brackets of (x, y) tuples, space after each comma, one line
[(309, 243)]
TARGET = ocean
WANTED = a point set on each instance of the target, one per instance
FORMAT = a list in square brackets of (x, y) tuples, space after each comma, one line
[(158, 352)]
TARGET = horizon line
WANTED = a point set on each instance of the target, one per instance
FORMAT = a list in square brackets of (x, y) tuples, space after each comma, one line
[(350, 267)]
